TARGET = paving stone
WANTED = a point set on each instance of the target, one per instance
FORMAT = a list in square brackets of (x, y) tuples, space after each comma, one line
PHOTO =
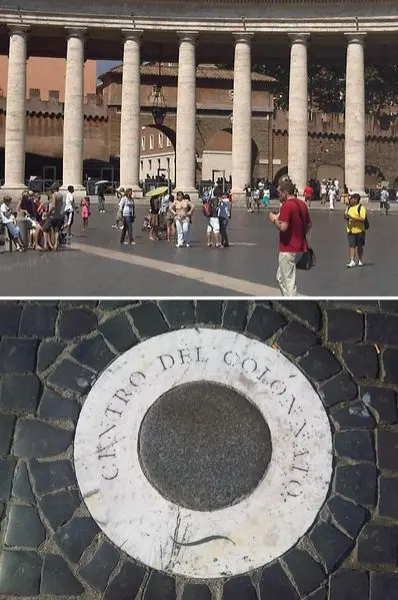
[(377, 544), (341, 388), (357, 482), (24, 527), (345, 325), (55, 406), (351, 517), (388, 494), (115, 304), (383, 586), (20, 573), (354, 416), (37, 439), (296, 339), (307, 574), (74, 537), (331, 544), (7, 423), (196, 591), (10, 313), (75, 322), (388, 305), (318, 595), (239, 588), (362, 361), (52, 476), (383, 401), (148, 320), (274, 583), (126, 584), (390, 362), (49, 351), (7, 468), (99, 568), (57, 579), (209, 312), (93, 353), (118, 332), (308, 311), (17, 355), (178, 314), (387, 449), (348, 584), (357, 445), (22, 490), (265, 322), (70, 376), (38, 320), (59, 507), (382, 328), (319, 364), (235, 315), (160, 586), (20, 393)]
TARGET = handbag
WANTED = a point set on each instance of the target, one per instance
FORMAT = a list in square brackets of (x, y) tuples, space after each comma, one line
[(308, 259)]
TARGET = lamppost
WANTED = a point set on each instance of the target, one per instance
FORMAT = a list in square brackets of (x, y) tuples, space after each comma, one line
[(168, 177)]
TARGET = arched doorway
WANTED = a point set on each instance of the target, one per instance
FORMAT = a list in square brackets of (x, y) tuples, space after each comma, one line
[(281, 174), (217, 155), (157, 154), (330, 172), (373, 176)]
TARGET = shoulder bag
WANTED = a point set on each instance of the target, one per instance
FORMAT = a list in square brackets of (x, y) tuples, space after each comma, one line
[(308, 258)]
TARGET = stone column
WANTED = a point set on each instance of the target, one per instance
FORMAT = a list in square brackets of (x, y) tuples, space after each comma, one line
[(186, 115), (74, 110), (298, 112), (355, 114), (242, 117), (130, 129), (15, 127)]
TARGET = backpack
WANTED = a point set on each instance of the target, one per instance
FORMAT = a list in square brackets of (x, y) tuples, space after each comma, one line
[(366, 221), (207, 208)]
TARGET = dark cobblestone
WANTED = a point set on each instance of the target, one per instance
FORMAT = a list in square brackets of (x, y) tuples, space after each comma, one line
[(68, 304), (93, 353), (55, 406), (264, 322), (307, 574), (24, 527), (349, 516), (239, 588), (319, 364), (7, 468), (12, 564), (148, 320), (74, 537), (235, 315), (57, 579), (70, 376), (390, 362), (388, 497), (99, 568), (331, 545), (296, 339), (125, 585), (58, 508), (52, 476), (308, 311), (10, 314), (383, 401), (387, 449), (383, 586), (75, 322), (178, 314), (348, 584), (196, 591), (118, 332), (357, 482), (115, 304), (274, 583), (7, 423), (356, 445), (362, 361), (22, 490), (319, 595), (339, 389), (378, 545), (17, 355), (382, 328), (209, 312), (38, 320), (160, 586), (48, 353), (37, 439), (354, 416), (345, 325), (20, 393)]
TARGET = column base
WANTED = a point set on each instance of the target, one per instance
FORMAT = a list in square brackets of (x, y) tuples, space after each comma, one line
[(14, 190), (238, 197), (78, 188)]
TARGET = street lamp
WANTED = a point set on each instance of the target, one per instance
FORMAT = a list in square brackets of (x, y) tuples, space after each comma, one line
[(168, 177), (159, 109)]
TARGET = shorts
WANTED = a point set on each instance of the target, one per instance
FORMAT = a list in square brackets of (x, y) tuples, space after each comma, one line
[(13, 230), (56, 223), (69, 217), (214, 225), (384, 204), (356, 240)]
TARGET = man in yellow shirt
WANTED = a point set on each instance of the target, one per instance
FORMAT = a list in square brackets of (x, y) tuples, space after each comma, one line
[(357, 223)]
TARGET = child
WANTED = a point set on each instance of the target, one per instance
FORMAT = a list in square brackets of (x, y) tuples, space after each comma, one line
[(85, 211), (7, 217), (224, 211)]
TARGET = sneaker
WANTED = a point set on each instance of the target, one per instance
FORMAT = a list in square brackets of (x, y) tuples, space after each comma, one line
[(360, 263), (178, 245), (187, 245), (351, 264), (132, 243), (113, 226), (209, 245)]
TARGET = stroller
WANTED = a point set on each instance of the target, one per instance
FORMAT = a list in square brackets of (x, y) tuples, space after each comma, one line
[(146, 225)]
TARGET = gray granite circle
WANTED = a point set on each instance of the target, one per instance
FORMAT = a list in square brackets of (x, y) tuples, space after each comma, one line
[(204, 446)]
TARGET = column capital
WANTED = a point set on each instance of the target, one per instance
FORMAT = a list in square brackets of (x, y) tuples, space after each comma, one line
[(299, 38), (187, 36), (79, 32), (357, 37), (243, 37), (132, 34), (19, 29)]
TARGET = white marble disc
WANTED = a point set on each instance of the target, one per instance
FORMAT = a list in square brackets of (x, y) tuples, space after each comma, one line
[(153, 530)]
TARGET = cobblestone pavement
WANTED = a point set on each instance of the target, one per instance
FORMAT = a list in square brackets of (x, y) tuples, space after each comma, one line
[(52, 352), (251, 261)]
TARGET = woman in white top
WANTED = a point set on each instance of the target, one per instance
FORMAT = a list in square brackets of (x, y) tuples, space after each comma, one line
[(127, 207), (7, 218)]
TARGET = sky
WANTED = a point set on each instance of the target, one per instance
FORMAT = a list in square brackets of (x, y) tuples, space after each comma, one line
[(104, 65)]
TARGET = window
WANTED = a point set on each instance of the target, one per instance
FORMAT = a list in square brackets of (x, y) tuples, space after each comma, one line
[(168, 142), (151, 142), (143, 142), (160, 141), (150, 166)]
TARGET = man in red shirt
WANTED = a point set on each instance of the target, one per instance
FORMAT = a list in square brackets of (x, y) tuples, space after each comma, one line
[(308, 191), (293, 222)]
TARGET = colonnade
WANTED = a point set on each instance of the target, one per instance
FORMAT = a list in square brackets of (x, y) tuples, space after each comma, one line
[(130, 133)]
